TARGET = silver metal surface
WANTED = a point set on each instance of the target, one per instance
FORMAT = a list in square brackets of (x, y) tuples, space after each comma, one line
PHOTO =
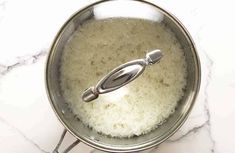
[(60, 141), (111, 9), (153, 57), (121, 76)]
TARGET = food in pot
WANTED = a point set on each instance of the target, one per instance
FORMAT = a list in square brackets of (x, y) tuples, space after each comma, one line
[(99, 46)]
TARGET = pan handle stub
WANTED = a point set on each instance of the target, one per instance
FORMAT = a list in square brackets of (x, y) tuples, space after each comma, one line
[(60, 141)]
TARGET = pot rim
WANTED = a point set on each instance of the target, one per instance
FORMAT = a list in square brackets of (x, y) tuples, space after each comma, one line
[(146, 145)]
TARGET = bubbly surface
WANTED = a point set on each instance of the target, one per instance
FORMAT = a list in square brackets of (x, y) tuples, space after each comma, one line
[(96, 48)]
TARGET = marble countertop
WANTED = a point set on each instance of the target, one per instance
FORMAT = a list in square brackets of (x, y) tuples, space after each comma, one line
[(27, 122)]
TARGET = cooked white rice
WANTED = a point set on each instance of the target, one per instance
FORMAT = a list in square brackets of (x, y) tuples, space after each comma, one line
[(139, 107)]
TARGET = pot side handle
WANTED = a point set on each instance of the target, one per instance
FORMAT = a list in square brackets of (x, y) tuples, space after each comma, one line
[(60, 141)]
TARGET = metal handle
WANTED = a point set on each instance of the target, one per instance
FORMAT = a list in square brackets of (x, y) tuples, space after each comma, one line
[(60, 141), (121, 76)]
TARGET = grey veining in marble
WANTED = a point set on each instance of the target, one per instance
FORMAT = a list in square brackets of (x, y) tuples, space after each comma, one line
[(23, 61)]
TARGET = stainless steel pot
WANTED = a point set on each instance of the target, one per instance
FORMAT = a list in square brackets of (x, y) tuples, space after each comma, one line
[(119, 8)]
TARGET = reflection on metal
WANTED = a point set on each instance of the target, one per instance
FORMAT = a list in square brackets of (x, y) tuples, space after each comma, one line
[(121, 76)]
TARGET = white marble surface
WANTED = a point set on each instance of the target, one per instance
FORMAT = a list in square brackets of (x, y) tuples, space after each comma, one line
[(27, 122)]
